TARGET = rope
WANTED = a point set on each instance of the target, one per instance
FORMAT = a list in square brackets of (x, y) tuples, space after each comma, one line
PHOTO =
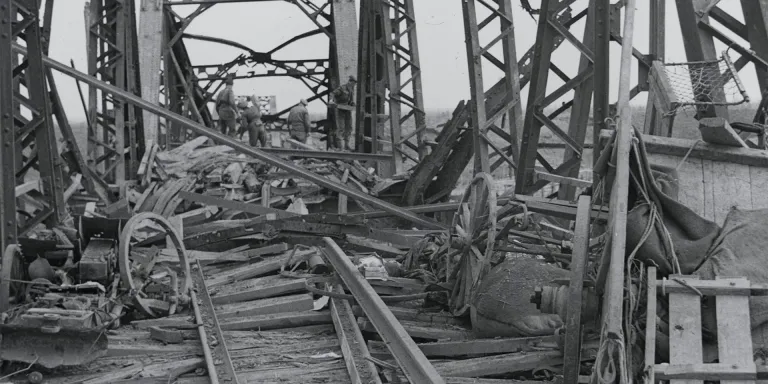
[(680, 164)]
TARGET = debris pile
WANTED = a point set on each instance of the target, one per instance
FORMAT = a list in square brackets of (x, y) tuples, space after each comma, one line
[(207, 237)]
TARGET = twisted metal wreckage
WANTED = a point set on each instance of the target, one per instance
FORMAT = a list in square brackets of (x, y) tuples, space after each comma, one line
[(177, 259)]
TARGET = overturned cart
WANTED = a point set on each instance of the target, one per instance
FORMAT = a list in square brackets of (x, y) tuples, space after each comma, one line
[(56, 311)]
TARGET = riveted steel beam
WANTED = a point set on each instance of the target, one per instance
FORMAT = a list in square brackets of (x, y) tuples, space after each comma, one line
[(409, 357)]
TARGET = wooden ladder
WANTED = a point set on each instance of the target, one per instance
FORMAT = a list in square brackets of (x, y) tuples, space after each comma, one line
[(686, 353)]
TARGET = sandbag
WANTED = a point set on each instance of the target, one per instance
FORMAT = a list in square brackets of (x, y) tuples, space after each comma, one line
[(502, 307)]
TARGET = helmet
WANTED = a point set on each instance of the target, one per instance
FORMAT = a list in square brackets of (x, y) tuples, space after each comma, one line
[(353, 79), (242, 104), (303, 101)]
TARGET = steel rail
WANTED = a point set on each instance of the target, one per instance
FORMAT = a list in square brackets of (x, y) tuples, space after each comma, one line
[(240, 147), (205, 316), (410, 358)]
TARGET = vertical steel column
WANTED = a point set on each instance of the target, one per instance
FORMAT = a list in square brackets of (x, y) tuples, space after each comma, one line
[(7, 150), (403, 68), (756, 21), (477, 105), (601, 100), (115, 130), (371, 85), (700, 45), (582, 101), (549, 29), (484, 120), (44, 155), (150, 58)]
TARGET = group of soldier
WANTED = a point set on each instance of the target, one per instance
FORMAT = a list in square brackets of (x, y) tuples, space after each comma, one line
[(231, 111)]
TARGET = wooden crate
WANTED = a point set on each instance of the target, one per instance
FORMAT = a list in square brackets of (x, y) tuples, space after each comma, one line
[(686, 354)]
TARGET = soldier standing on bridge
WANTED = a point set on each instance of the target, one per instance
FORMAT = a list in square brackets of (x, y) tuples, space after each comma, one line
[(251, 122), (225, 107), (298, 122), (344, 102)]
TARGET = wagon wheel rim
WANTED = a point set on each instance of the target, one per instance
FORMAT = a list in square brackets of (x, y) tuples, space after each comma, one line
[(10, 270), (127, 265), (473, 234)]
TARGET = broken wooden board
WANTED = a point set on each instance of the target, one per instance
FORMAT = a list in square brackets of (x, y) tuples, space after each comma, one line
[(424, 331), (254, 289), (473, 348), (277, 321), (293, 303)]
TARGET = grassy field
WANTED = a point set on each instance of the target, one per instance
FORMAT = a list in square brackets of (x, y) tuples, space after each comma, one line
[(685, 127)]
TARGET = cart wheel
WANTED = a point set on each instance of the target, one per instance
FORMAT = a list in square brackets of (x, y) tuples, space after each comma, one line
[(12, 268), (473, 234)]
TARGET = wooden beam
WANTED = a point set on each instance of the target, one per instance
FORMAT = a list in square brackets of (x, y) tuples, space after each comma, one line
[(672, 146)]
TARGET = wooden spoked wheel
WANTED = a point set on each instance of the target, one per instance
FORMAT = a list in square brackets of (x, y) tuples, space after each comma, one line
[(11, 272), (473, 233)]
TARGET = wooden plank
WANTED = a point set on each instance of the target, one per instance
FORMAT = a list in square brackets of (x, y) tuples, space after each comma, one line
[(734, 336), (278, 321), (422, 331), (253, 289), (420, 315), (731, 188), (713, 288), (650, 325), (679, 147), (501, 364), (248, 271), (685, 339), (235, 205), (758, 181), (690, 180), (709, 181), (293, 303), (676, 373), (479, 347)]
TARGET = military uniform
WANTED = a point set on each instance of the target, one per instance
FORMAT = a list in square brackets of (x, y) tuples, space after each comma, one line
[(343, 96), (225, 107), (251, 119), (299, 123)]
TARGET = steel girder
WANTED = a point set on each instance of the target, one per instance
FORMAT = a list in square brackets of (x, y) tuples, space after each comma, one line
[(8, 228), (403, 73), (180, 76), (702, 23), (534, 170), (389, 72), (371, 86), (115, 137), (528, 177), (483, 121), (32, 130)]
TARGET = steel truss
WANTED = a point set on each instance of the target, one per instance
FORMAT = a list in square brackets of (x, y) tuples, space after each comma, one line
[(29, 102), (703, 22), (534, 171), (483, 116), (115, 134), (390, 73), (182, 78)]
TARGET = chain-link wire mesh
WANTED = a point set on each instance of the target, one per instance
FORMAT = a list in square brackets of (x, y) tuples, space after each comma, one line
[(702, 84)]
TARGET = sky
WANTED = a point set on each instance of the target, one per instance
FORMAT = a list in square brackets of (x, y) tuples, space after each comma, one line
[(264, 25)]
